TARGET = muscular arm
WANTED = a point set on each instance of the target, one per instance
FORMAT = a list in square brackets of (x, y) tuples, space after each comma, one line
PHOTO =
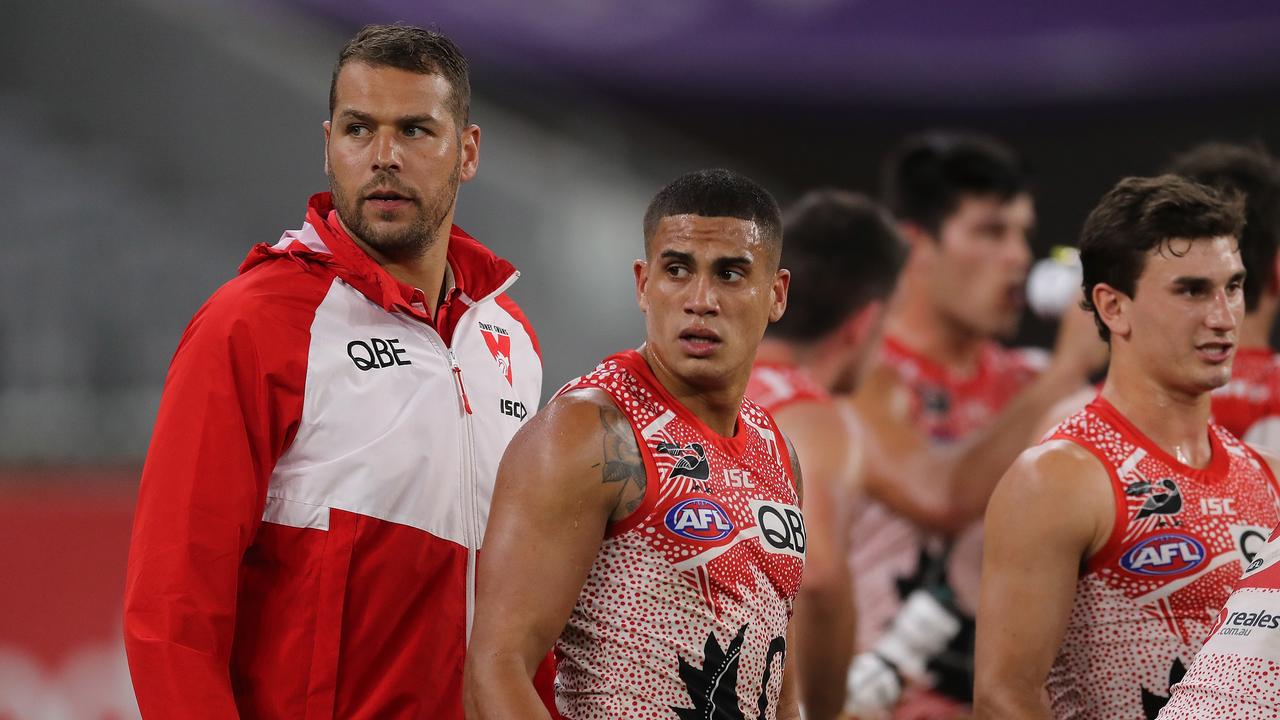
[(822, 629), (569, 471), (945, 489), (1051, 511)]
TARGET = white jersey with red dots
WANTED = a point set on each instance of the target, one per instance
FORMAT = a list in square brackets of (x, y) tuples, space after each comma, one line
[(1236, 675), (1146, 601), (684, 612)]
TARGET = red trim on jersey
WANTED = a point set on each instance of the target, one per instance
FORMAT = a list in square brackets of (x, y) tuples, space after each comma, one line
[(1119, 520), (1218, 465), (732, 445), (506, 303), (804, 388)]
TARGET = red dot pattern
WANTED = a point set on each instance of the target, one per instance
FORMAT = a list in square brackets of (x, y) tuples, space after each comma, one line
[(1119, 643), (638, 613)]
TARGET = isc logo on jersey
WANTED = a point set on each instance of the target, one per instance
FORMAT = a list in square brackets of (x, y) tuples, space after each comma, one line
[(699, 519), (1167, 554)]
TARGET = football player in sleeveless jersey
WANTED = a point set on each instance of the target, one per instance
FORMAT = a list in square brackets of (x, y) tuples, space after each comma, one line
[(1110, 546), (647, 521), (1249, 405), (945, 408), (844, 255)]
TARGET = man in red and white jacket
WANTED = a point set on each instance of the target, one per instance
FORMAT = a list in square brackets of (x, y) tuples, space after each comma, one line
[(319, 476)]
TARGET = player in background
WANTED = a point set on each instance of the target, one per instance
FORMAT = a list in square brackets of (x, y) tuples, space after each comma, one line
[(946, 409), (1110, 546), (647, 521), (844, 255), (1249, 405)]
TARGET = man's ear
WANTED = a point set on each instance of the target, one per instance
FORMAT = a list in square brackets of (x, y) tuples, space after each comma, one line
[(470, 150), (328, 128), (1113, 308), (641, 270), (781, 283)]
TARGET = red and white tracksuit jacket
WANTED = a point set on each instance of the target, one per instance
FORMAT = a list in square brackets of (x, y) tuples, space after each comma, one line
[(318, 482)]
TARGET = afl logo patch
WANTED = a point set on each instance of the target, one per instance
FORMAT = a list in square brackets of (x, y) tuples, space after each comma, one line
[(699, 519), (1168, 554)]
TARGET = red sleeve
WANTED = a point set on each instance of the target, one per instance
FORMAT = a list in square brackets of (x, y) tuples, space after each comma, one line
[(231, 404)]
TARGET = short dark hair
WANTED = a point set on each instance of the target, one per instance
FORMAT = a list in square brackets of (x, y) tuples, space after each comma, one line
[(716, 193), (1141, 214), (1253, 172), (924, 179), (426, 52), (843, 252)]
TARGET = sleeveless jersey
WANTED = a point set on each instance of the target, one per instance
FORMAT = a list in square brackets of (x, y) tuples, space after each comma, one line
[(892, 556), (777, 385), (1147, 600), (684, 612), (1236, 675), (1249, 405)]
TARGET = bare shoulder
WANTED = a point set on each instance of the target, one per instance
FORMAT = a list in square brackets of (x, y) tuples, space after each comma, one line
[(584, 435), (1056, 487), (826, 436)]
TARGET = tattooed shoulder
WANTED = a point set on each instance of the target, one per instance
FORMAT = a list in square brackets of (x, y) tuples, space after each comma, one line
[(621, 463)]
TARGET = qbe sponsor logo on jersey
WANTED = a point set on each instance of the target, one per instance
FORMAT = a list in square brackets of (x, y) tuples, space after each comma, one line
[(1166, 554), (781, 527), (699, 519)]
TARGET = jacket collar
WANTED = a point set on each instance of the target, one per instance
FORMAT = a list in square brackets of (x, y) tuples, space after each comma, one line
[(477, 272)]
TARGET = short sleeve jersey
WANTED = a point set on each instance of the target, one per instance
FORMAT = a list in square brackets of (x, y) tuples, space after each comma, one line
[(684, 612)]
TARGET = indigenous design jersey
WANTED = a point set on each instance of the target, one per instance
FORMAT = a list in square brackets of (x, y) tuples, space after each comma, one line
[(1147, 599), (775, 386), (1249, 405), (1234, 676), (892, 556), (684, 612)]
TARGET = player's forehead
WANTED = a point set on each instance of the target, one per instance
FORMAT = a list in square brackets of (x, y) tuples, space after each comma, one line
[(974, 208), (1216, 260), (708, 238), (385, 92)]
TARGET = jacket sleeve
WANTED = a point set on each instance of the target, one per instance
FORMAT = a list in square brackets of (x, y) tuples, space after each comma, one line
[(230, 407)]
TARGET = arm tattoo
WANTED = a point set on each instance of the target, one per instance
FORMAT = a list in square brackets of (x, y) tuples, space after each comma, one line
[(622, 462), (795, 466)]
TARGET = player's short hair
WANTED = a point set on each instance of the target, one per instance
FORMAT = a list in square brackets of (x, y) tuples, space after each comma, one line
[(426, 52), (844, 252), (924, 179), (1141, 214), (1255, 173), (717, 193)]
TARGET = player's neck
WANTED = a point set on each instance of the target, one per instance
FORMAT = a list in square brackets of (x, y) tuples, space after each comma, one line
[(1255, 331), (916, 322), (426, 272), (717, 407), (1175, 420)]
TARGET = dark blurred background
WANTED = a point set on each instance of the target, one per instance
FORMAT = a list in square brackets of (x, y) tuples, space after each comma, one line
[(147, 144)]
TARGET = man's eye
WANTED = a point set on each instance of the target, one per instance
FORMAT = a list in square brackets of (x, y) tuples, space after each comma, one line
[(416, 131), (731, 275), (357, 130), (677, 271)]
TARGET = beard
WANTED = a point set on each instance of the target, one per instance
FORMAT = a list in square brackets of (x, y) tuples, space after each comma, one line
[(402, 241)]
